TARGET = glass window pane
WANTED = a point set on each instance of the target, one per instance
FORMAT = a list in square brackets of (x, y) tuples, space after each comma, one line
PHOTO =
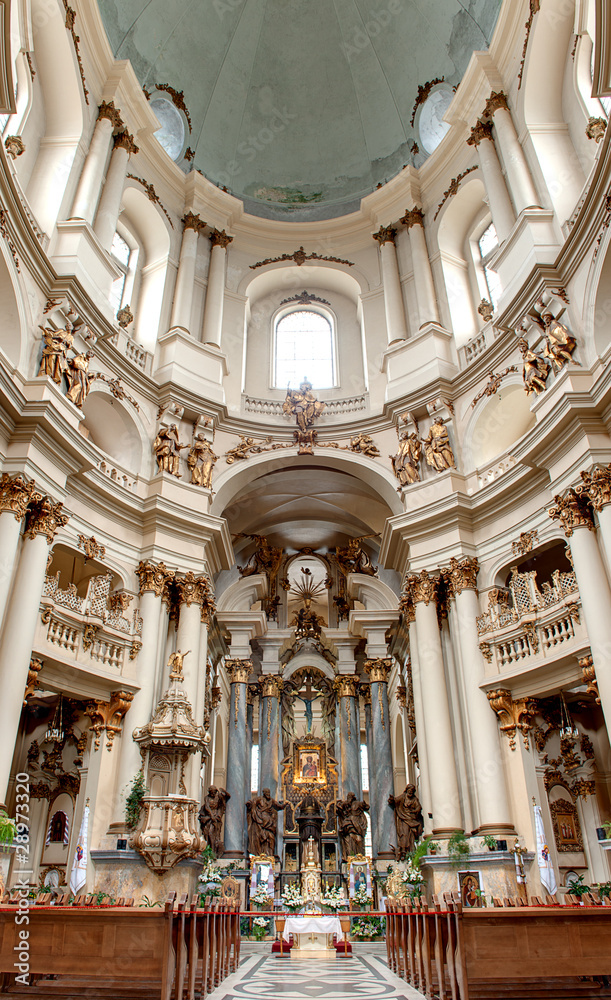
[(120, 250), (488, 241), (304, 349), (364, 768), (254, 768)]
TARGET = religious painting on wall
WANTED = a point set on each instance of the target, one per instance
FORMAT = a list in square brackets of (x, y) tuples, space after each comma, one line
[(567, 830), (469, 885), (309, 765), (359, 869)]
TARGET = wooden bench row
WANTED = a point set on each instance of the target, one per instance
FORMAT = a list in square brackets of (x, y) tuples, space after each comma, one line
[(65, 899), (170, 951), (518, 951)]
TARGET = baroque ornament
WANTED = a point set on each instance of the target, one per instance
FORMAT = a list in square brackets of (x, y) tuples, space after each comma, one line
[(107, 716), (70, 21), (595, 129), (422, 588), (378, 669), (300, 257), (535, 369), (424, 90), (494, 383), (462, 575), (16, 493), (596, 486), (91, 548), (305, 298), (153, 577), (535, 7), (525, 543), (453, 188), (150, 191), (238, 670), (45, 517), (572, 511), (513, 715)]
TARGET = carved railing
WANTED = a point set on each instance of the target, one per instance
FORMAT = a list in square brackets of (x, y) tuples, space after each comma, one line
[(116, 475), (473, 348), (134, 352), (333, 407)]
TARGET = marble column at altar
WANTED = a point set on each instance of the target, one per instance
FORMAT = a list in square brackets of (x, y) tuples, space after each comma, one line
[(381, 780), (44, 519), (365, 692), (423, 764), (500, 203), (346, 688), (574, 513), (396, 325), (237, 759), (107, 215), (252, 692), (215, 291), (90, 183), (185, 279), (518, 173), (445, 801), (488, 773), (15, 495), (269, 731), (154, 578), (423, 276)]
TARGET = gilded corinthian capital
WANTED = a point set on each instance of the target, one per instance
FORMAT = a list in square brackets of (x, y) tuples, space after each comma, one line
[(386, 234), (513, 715), (271, 686), (123, 140), (191, 589), (596, 486), (496, 101), (480, 131), (219, 238), (413, 217), (378, 670), (153, 577), (422, 588), (45, 517), (107, 110), (346, 685), (238, 670), (193, 221), (15, 494), (573, 511), (462, 575)]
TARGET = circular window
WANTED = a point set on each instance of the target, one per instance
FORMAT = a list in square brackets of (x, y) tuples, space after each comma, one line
[(171, 135), (431, 125)]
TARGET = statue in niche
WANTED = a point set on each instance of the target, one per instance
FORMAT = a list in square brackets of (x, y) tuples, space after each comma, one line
[(559, 343), (408, 820), (352, 825), (79, 378), (262, 817), (405, 462), (302, 404), (437, 448), (211, 817), (56, 344), (354, 559), (535, 369), (167, 450), (201, 460)]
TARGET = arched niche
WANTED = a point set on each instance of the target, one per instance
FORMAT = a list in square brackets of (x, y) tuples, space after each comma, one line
[(597, 311), (150, 228), (458, 221), (496, 425), (113, 429), (241, 595), (545, 559), (309, 659)]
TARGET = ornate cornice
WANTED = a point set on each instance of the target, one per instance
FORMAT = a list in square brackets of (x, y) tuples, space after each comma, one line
[(573, 511), (346, 685), (45, 517), (385, 234), (513, 715), (462, 575), (497, 100), (123, 140), (192, 221), (153, 577), (108, 716), (238, 670), (413, 217), (378, 670), (596, 486), (15, 494), (219, 238), (271, 686), (422, 588), (482, 130), (107, 110), (191, 589)]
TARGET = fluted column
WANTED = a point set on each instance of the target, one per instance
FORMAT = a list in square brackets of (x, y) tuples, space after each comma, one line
[(381, 781), (237, 759), (494, 182), (423, 275), (215, 292), (346, 688), (365, 691), (574, 514), (15, 495), (269, 731), (396, 325), (185, 279), (489, 776), (90, 183), (44, 519), (154, 578), (519, 177), (435, 707), (109, 208)]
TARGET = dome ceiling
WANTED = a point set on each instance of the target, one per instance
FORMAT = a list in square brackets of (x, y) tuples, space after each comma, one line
[(301, 107)]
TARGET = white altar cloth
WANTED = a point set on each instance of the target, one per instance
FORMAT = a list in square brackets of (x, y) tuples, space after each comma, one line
[(311, 925)]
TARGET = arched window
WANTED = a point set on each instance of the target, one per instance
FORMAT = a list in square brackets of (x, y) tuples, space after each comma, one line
[(488, 243), (57, 832), (304, 348), (125, 257)]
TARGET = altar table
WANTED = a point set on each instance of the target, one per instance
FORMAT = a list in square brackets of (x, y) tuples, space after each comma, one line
[(309, 931)]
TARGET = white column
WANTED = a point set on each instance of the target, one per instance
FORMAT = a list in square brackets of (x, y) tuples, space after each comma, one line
[(185, 279), (90, 183), (489, 776), (195, 791), (423, 764), (109, 208), (15, 495), (44, 519), (191, 590), (494, 182), (519, 177), (436, 710), (396, 325), (215, 292), (423, 275)]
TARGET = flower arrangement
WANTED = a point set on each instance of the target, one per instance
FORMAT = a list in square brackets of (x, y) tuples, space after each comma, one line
[(260, 927), (361, 897), (366, 927), (210, 879), (333, 898), (292, 898), (262, 899)]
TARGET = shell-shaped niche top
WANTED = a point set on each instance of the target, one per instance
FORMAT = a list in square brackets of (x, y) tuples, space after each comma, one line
[(173, 724)]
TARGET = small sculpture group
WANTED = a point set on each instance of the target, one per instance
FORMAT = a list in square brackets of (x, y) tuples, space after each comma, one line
[(557, 352), (56, 364), (437, 452), (200, 460)]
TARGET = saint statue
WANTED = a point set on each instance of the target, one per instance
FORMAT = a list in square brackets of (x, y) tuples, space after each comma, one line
[(405, 462), (262, 816), (167, 450), (408, 820), (79, 378), (211, 817), (437, 448), (56, 344), (175, 662), (535, 370), (352, 824), (265, 559), (302, 404), (201, 460), (559, 343), (354, 559)]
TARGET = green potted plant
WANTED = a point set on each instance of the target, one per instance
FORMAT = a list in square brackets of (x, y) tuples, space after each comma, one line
[(133, 802), (458, 847), (8, 830), (604, 890), (490, 842), (577, 887), (260, 927)]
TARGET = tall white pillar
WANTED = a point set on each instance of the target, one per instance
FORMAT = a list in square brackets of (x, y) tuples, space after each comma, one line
[(494, 182), (90, 183), (195, 791), (396, 325), (215, 292), (423, 275), (107, 215), (489, 776), (423, 764), (192, 592), (436, 710), (45, 517), (185, 279), (519, 176), (15, 495)]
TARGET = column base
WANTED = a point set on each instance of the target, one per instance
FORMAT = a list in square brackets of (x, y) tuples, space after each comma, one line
[(385, 856), (500, 829), (234, 855)]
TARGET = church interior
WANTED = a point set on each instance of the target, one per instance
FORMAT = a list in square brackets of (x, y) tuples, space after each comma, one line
[(305, 498)]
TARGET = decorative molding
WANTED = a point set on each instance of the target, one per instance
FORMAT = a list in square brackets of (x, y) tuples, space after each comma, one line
[(14, 145), (525, 543), (107, 716), (494, 383), (513, 715), (191, 589), (305, 298), (572, 511), (91, 548), (16, 493), (596, 486), (412, 217), (462, 575), (219, 238), (385, 234), (150, 192), (271, 686), (70, 20), (178, 100), (422, 588), (595, 129), (497, 100), (4, 231), (335, 407), (117, 389), (299, 257), (153, 577), (453, 188), (535, 7), (588, 672), (424, 90), (123, 140)]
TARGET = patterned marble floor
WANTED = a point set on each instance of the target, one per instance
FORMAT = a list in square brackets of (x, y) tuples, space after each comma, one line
[(364, 977)]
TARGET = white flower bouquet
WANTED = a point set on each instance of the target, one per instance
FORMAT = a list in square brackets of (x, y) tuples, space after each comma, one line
[(292, 898)]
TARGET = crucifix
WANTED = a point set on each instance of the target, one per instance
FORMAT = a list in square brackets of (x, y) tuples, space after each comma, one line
[(308, 698)]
